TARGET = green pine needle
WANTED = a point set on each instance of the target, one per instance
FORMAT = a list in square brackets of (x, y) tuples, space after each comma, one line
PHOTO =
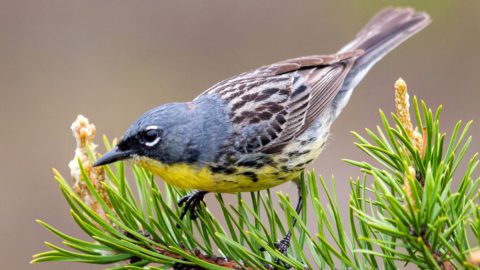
[(395, 217)]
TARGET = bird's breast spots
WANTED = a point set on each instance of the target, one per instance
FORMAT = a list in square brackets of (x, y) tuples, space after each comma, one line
[(187, 176), (253, 176), (248, 180), (227, 170)]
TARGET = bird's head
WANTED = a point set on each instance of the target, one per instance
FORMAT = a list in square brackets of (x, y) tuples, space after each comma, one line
[(157, 135)]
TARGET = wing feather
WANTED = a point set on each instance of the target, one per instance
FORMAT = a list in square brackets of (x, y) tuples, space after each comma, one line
[(271, 106)]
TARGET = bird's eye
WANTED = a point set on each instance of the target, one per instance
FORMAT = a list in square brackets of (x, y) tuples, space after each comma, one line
[(151, 136)]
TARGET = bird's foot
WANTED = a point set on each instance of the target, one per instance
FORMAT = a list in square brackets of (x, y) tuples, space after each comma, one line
[(191, 202), (282, 246)]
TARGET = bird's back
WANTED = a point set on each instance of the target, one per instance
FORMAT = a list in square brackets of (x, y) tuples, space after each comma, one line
[(279, 115)]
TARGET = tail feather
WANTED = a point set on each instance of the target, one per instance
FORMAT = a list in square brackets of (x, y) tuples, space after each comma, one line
[(384, 32)]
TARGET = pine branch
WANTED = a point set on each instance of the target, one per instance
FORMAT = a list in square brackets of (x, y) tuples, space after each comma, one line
[(406, 209)]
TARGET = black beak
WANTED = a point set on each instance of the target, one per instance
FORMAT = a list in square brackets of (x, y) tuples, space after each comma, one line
[(111, 156)]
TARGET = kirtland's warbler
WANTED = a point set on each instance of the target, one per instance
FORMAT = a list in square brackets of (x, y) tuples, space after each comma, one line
[(261, 128)]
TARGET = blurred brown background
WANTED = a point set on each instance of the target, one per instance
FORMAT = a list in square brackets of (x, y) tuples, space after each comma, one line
[(112, 60)]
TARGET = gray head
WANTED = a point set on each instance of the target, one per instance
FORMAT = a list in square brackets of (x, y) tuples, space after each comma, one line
[(173, 133), (156, 134)]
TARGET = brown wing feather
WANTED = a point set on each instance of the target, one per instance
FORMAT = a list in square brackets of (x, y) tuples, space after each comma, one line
[(272, 105)]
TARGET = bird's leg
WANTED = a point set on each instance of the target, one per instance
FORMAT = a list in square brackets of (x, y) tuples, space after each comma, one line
[(283, 245), (191, 202)]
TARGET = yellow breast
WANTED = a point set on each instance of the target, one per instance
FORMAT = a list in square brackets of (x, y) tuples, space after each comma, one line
[(186, 176)]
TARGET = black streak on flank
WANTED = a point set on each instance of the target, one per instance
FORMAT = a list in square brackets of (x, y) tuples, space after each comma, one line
[(298, 154), (253, 176), (251, 164), (222, 170), (302, 165), (310, 140), (256, 163)]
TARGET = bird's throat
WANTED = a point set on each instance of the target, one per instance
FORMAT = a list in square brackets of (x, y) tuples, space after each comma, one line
[(181, 175)]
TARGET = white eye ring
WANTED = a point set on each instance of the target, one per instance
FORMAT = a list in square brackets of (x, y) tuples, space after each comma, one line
[(151, 127), (157, 139)]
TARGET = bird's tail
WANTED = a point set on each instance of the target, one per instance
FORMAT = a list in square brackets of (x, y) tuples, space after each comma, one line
[(384, 32)]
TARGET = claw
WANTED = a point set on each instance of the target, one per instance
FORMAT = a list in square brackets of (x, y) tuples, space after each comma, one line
[(184, 199), (282, 246), (191, 203)]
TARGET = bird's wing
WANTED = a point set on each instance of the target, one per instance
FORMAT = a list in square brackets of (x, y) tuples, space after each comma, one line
[(272, 105)]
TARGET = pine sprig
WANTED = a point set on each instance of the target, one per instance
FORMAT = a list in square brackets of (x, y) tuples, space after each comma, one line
[(412, 206), (413, 213)]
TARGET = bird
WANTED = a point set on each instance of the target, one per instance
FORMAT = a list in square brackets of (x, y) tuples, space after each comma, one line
[(259, 129)]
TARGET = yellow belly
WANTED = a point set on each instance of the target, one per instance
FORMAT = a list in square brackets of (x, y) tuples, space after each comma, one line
[(186, 176)]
